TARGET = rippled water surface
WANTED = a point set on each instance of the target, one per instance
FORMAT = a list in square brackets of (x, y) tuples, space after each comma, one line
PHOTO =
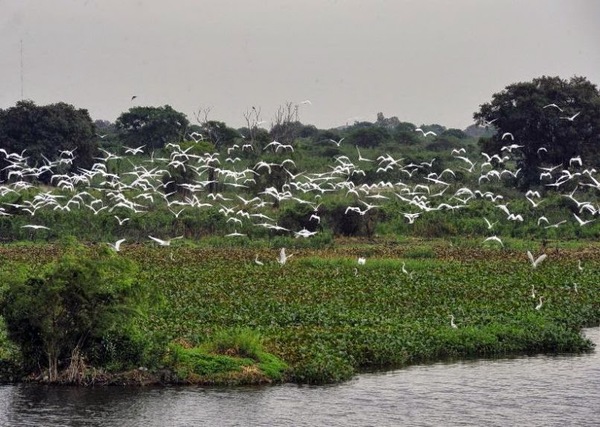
[(531, 391)]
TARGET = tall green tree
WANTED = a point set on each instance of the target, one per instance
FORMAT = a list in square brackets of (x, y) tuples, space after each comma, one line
[(552, 119), (45, 131), (153, 127)]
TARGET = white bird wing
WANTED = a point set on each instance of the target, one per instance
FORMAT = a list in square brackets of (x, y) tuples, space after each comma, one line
[(539, 259), (530, 256), (118, 244), (495, 238), (35, 227), (553, 105), (579, 220), (159, 241)]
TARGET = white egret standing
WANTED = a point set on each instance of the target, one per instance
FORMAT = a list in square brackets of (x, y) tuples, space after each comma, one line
[(539, 306), (452, 324)]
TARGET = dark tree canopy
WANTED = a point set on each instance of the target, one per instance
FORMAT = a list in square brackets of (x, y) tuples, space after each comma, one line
[(454, 133), (219, 134), (368, 136), (45, 131), (287, 131), (404, 133), (153, 127), (553, 119)]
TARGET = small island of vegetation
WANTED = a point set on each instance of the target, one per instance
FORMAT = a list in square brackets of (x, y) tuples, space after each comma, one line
[(155, 251)]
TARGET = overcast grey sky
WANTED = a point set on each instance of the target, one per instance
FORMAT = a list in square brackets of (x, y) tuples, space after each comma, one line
[(425, 61)]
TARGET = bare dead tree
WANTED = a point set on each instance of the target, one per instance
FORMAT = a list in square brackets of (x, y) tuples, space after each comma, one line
[(283, 124), (202, 118), (209, 127), (202, 115), (252, 117)]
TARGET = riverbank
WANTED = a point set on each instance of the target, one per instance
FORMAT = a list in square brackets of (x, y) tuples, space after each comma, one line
[(326, 318)]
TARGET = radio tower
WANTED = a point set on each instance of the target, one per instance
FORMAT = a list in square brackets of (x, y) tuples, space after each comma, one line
[(21, 69)]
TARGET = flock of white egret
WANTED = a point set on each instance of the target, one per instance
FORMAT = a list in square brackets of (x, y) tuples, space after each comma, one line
[(422, 188)]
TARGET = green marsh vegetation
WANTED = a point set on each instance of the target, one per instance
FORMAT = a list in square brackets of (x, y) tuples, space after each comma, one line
[(328, 317), (213, 316)]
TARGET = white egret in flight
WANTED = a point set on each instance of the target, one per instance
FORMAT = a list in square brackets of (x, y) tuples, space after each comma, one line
[(536, 261), (164, 242), (572, 117), (117, 245), (283, 257), (35, 227), (496, 239)]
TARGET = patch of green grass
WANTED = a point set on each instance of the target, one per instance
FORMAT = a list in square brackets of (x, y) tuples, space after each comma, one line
[(420, 252), (190, 364), (241, 342), (231, 356)]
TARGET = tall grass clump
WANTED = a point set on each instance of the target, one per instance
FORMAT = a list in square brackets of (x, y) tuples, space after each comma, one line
[(232, 356)]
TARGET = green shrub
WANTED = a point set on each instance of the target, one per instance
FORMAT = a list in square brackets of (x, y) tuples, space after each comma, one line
[(67, 307), (322, 368)]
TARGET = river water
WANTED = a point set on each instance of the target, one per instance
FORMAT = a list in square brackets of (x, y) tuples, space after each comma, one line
[(524, 391)]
